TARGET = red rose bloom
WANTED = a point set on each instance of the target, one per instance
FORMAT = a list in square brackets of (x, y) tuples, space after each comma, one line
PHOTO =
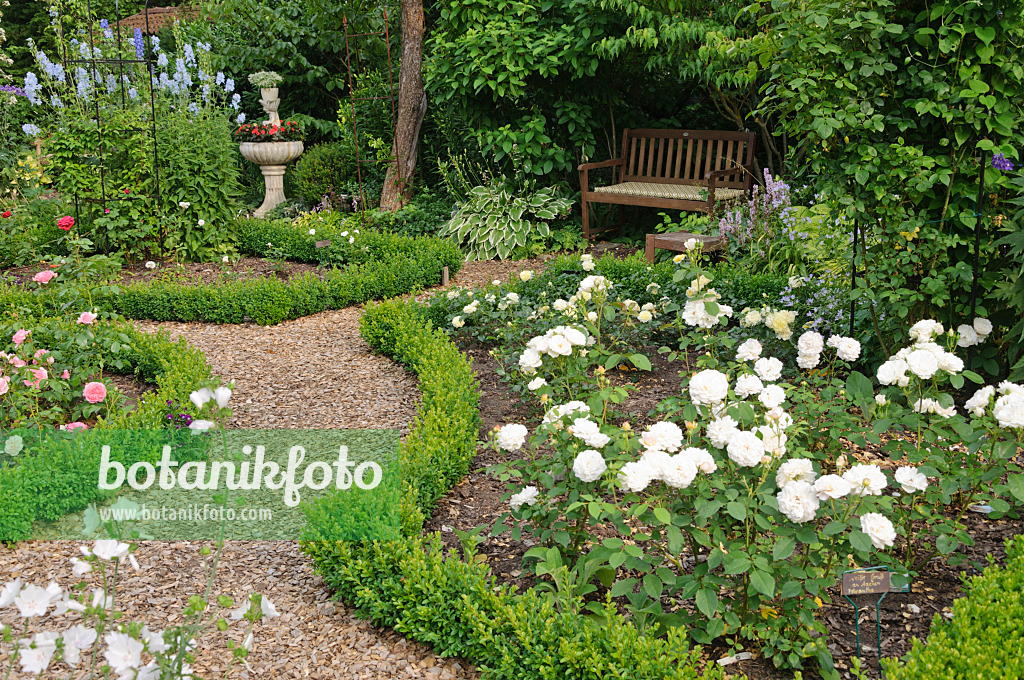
[(7, 213)]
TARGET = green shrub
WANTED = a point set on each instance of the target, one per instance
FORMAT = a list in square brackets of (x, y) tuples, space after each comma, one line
[(984, 639), (457, 606), (323, 168)]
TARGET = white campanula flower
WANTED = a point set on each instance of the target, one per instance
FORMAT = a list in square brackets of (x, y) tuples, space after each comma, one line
[(528, 496), (201, 396), (865, 480), (768, 369), (1009, 410), (664, 436), (911, 479), (709, 387), (798, 502), (589, 432), (511, 437), (701, 459), (967, 336), (221, 395), (795, 470), (589, 465), (200, 426), (810, 343), (721, 430), (980, 401), (636, 475), (831, 487), (746, 448), (922, 363), (748, 384), (879, 529), (772, 396), (679, 471)]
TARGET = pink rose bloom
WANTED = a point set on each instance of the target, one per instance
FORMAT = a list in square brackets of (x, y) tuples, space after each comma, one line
[(65, 375), (86, 317), (40, 375), (44, 277), (94, 392), (5, 384), (19, 362), (72, 427), (20, 337), (40, 352)]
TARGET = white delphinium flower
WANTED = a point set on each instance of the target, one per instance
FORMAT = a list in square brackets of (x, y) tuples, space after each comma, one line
[(894, 372), (709, 387), (922, 363), (636, 475), (967, 336), (1009, 410), (795, 470), (983, 327), (748, 384), (772, 396), (798, 502), (925, 330), (665, 436), (749, 350), (810, 343), (588, 466), (701, 459), (721, 431), (911, 479), (831, 487), (847, 349), (980, 401), (528, 496), (746, 448), (768, 369), (34, 657), (511, 437), (589, 432), (879, 529), (536, 384), (123, 653), (865, 480), (76, 639)]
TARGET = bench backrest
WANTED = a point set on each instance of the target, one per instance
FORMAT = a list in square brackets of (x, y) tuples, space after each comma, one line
[(686, 156)]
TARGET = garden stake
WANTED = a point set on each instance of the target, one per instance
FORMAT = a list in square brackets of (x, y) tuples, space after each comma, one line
[(871, 585), (978, 210)]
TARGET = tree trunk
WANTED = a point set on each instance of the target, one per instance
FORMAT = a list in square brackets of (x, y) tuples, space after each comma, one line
[(412, 106)]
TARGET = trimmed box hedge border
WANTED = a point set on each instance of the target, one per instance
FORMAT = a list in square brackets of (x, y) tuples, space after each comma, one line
[(457, 606)]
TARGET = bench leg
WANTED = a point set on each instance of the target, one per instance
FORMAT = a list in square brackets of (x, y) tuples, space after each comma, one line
[(586, 220), (649, 248)]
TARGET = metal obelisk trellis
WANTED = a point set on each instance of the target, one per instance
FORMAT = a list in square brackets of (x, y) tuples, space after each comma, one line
[(107, 134), (353, 98)]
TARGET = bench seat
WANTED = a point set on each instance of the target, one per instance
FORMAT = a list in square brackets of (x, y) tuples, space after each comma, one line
[(679, 192)]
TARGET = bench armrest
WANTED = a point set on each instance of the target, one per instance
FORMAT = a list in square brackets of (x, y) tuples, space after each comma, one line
[(729, 171), (602, 164)]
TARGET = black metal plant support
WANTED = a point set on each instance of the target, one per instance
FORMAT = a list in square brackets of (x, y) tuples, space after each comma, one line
[(979, 215)]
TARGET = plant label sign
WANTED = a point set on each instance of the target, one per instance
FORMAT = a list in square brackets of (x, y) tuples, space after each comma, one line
[(323, 244), (866, 582)]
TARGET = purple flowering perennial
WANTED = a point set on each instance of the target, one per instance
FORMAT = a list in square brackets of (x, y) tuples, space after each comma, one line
[(999, 162), (16, 91), (138, 44)]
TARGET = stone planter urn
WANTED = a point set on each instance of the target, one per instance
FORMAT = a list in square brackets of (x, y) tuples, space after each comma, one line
[(270, 103), (272, 157)]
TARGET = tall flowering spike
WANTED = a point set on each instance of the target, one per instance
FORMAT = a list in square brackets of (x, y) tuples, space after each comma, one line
[(999, 162), (139, 47)]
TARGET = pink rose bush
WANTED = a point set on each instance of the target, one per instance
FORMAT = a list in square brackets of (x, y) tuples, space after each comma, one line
[(44, 276), (94, 392)]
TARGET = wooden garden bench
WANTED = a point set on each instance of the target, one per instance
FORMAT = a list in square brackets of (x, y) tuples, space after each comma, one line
[(675, 169)]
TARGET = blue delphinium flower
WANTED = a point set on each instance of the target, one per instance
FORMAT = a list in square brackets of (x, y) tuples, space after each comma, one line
[(139, 47), (83, 83), (31, 130), (56, 103), (107, 32), (133, 94), (190, 55), (241, 118), (220, 78), (229, 85), (31, 87), (236, 99), (193, 109), (161, 61), (999, 162)]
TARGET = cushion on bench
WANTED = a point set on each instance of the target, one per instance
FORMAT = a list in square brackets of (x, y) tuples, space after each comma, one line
[(682, 192)]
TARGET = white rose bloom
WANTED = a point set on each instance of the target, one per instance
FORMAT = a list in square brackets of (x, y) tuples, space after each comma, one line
[(749, 350), (589, 466), (893, 371), (526, 275), (778, 419), (747, 385), (721, 431), (709, 387), (653, 288), (452, 294), (979, 402), (690, 243), (559, 345), (470, 308), (1007, 387), (774, 440), (880, 399), (750, 318), (807, 361), (536, 384), (665, 436), (831, 487), (528, 496), (795, 470), (649, 307), (810, 343), (511, 437), (489, 297), (593, 284), (557, 412), (911, 479), (865, 480), (644, 317), (1009, 410), (656, 461), (925, 330), (513, 298), (539, 344), (982, 327), (592, 317), (922, 363), (768, 369), (589, 432), (928, 405), (950, 363), (967, 336), (746, 448), (879, 529), (847, 349), (587, 263), (701, 459), (530, 359), (679, 472), (574, 336), (772, 396), (635, 476), (798, 502), (560, 305), (458, 322)]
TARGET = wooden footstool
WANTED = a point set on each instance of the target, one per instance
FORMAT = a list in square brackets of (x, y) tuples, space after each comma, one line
[(675, 242)]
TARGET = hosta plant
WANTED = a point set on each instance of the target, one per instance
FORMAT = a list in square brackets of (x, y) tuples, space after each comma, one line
[(495, 220)]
